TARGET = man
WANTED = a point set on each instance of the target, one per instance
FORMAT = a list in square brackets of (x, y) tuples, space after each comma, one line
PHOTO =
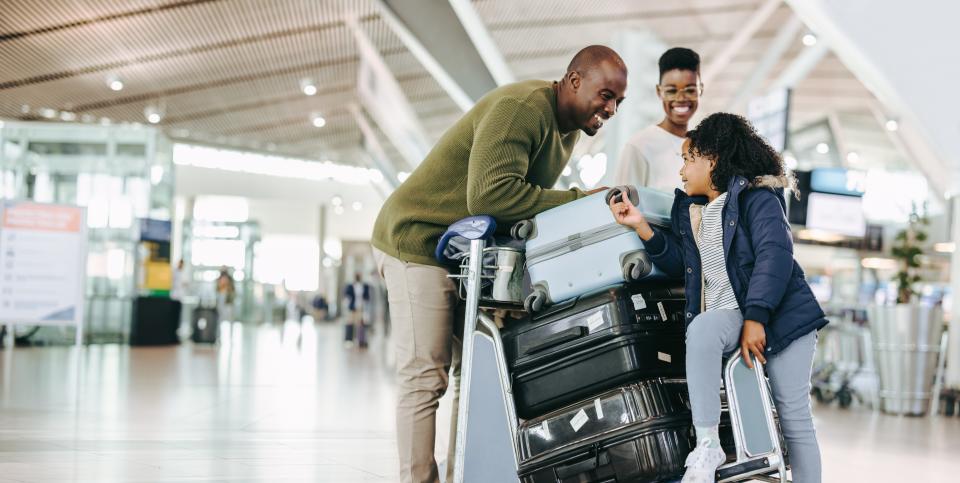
[(651, 157), (357, 296), (499, 159)]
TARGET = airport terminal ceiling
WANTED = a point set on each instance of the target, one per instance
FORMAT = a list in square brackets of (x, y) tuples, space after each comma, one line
[(246, 86)]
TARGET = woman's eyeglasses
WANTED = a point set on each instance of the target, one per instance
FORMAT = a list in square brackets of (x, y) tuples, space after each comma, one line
[(669, 93)]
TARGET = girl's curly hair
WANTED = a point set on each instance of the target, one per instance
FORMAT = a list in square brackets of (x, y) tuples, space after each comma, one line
[(737, 148)]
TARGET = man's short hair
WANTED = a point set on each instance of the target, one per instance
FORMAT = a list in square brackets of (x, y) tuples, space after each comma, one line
[(679, 58), (592, 56)]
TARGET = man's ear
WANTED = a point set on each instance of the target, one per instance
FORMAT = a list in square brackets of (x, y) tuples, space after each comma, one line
[(575, 79)]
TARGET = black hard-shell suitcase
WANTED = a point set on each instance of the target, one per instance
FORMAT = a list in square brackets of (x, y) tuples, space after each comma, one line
[(636, 433), (639, 432), (587, 346), (205, 325), (659, 306)]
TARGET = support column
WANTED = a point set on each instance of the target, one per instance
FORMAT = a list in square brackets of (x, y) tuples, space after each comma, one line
[(321, 236), (953, 345)]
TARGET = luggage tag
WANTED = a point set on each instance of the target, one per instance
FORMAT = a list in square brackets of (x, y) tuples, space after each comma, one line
[(579, 420), (638, 302), (595, 321)]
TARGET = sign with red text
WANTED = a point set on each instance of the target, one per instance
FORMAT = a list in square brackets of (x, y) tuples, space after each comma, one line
[(42, 263)]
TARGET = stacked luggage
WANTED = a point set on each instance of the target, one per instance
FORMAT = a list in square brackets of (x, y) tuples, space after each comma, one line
[(593, 343), (599, 382), (597, 369)]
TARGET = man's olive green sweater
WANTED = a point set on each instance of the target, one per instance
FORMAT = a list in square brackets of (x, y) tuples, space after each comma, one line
[(499, 159)]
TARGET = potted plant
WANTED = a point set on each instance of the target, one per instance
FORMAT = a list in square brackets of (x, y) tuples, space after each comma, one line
[(906, 335), (908, 251)]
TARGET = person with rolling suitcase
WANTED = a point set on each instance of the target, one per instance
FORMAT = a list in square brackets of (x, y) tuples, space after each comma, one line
[(357, 296), (730, 239)]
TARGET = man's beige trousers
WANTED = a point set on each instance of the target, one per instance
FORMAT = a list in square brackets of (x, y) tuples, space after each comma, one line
[(423, 311)]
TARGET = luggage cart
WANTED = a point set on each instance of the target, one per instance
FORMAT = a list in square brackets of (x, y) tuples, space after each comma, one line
[(486, 437), (843, 367)]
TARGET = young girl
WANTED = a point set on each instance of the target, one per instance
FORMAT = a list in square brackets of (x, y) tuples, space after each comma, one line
[(731, 241)]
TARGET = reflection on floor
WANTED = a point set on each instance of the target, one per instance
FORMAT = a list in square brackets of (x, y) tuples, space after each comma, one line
[(291, 403)]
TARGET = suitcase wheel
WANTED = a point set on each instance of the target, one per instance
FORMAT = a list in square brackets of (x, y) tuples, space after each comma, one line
[(522, 230), (636, 266), (535, 301)]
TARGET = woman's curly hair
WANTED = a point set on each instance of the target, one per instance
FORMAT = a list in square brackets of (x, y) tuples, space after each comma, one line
[(737, 148)]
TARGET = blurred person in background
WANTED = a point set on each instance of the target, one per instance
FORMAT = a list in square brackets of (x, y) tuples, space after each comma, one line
[(651, 158), (500, 159), (357, 296), (226, 293), (181, 282)]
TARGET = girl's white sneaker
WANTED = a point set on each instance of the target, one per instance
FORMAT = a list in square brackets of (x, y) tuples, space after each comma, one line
[(702, 463)]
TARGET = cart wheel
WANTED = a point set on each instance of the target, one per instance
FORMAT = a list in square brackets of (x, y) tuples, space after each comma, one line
[(844, 398), (522, 230), (535, 301)]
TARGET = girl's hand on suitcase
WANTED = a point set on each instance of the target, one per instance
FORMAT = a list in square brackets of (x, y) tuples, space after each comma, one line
[(753, 339), (626, 214)]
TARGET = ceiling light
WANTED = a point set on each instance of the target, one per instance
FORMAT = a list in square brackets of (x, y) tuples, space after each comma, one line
[(25, 109), (809, 40), (375, 175), (338, 210), (853, 157), (823, 148), (105, 121), (307, 86), (1, 124), (67, 116), (318, 120), (114, 83), (402, 176), (357, 206), (48, 113), (892, 125), (152, 113), (567, 170), (336, 201)]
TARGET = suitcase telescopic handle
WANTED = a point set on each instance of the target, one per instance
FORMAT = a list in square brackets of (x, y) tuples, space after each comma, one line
[(573, 333)]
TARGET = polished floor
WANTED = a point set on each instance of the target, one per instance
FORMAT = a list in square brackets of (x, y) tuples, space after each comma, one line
[(291, 403)]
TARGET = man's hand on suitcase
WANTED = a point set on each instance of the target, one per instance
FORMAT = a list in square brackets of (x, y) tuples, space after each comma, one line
[(629, 215), (753, 339)]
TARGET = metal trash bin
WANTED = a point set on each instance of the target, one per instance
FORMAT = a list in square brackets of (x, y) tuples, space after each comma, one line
[(907, 344)]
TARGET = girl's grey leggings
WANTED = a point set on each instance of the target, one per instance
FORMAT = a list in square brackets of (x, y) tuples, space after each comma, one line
[(716, 333)]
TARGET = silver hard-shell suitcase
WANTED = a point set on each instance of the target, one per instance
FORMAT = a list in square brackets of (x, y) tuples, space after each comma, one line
[(578, 248)]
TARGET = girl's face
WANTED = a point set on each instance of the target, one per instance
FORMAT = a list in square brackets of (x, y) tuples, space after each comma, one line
[(696, 172)]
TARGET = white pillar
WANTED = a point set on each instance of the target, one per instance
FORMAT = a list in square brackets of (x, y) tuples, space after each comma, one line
[(953, 346), (640, 50)]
